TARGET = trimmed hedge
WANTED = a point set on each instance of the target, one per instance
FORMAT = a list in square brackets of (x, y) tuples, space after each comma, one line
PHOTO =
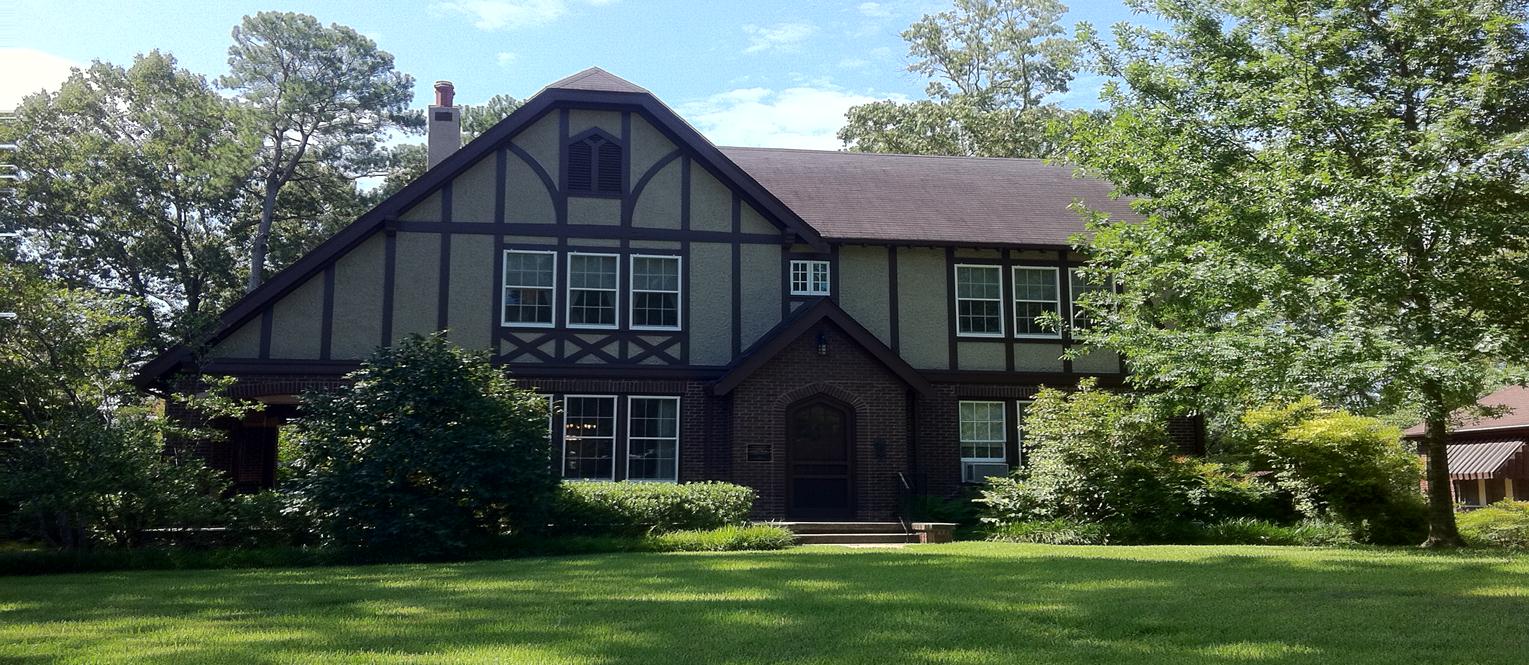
[(636, 508), (1502, 524), (724, 539)]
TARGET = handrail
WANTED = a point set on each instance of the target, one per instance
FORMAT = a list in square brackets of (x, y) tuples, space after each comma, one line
[(904, 502)]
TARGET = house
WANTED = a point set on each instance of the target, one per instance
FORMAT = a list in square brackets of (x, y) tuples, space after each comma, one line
[(835, 330), (1488, 460)]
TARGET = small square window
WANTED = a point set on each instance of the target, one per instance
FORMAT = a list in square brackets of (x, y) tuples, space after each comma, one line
[(810, 278)]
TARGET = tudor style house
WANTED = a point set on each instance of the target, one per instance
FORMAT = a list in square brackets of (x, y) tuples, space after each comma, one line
[(832, 329)]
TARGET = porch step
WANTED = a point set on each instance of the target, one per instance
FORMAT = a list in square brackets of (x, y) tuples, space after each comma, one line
[(842, 527), (854, 538)]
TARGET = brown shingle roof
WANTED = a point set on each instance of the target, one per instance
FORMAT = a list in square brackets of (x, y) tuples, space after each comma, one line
[(598, 80), (1472, 461), (939, 200), (1514, 400)]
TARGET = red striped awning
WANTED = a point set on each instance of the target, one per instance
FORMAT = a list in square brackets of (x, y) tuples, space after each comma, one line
[(1481, 459)]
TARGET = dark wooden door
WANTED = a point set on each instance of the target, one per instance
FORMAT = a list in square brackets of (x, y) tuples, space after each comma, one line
[(819, 462)]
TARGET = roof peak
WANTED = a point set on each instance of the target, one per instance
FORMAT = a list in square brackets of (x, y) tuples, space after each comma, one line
[(595, 78)]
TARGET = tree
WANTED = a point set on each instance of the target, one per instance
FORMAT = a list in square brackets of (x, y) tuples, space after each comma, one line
[(321, 99), (480, 118), (430, 451), (406, 161), (132, 187), (82, 457), (1334, 196), (991, 65)]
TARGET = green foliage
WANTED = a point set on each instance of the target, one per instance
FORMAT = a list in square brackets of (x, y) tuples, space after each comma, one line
[(82, 459), (1502, 524), (961, 509), (1252, 531), (1333, 196), (1340, 465), (268, 519), (730, 538), (990, 63), (635, 508), (1051, 532), (428, 453)]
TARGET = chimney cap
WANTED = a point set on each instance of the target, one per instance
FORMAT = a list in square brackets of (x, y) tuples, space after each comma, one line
[(445, 93)]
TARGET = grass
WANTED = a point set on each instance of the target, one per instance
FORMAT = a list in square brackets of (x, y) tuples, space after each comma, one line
[(959, 603)]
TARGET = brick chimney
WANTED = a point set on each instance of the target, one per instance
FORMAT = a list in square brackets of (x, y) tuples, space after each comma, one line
[(444, 135)]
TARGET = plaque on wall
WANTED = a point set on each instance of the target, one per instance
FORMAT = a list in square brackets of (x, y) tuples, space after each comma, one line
[(759, 452)]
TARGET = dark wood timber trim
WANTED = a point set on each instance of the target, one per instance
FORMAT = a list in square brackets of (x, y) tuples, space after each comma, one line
[(590, 231), (443, 286), (389, 280), (1063, 305), (737, 313), (951, 326), (326, 328), (989, 377), (892, 306)]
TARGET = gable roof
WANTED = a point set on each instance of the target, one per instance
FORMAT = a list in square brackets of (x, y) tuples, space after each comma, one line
[(797, 324), (1514, 400), (858, 196), (594, 88)]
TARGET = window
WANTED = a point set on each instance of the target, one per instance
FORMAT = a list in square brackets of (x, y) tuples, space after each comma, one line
[(653, 438), (979, 301), (592, 287), (589, 437), (530, 287), (1035, 293), (594, 165), (656, 292), (1078, 285), (809, 278), (983, 436)]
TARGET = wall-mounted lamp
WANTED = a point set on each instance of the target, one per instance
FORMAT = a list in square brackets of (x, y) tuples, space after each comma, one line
[(822, 343)]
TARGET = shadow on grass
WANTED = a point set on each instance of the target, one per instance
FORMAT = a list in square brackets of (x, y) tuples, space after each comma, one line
[(965, 603)]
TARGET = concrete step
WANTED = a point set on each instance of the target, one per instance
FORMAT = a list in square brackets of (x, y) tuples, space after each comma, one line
[(853, 538), (843, 527)]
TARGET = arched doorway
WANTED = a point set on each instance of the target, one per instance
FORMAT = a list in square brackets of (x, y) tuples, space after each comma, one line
[(819, 460)]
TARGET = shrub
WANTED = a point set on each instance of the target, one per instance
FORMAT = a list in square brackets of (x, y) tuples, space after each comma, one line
[(430, 451), (1337, 464), (723, 539), (1249, 531), (1051, 532), (269, 519), (1502, 524), (636, 508)]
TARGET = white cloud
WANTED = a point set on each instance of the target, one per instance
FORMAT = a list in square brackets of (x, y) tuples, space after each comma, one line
[(874, 9), (506, 58), (781, 36), (27, 71), (853, 63), (512, 14), (796, 117)]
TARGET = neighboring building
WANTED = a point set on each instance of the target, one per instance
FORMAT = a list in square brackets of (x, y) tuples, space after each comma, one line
[(1488, 460), (829, 328)]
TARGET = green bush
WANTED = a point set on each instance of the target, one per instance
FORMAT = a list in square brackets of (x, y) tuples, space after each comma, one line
[(269, 519), (1249, 531), (1502, 524), (723, 539), (1051, 532), (428, 453), (636, 508), (1337, 465)]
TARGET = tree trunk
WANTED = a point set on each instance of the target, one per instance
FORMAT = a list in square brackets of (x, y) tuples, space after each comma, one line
[(1441, 505), (262, 237)]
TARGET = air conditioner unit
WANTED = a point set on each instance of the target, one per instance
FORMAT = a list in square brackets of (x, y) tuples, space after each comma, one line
[(976, 472)]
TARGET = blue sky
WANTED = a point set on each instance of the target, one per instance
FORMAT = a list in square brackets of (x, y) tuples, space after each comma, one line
[(746, 73)]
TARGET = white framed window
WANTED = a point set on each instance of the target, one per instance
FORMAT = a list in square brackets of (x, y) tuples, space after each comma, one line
[(1035, 293), (529, 289), (594, 281), (979, 300), (1077, 285), (653, 438), (810, 278), (983, 430), (589, 437), (655, 297)]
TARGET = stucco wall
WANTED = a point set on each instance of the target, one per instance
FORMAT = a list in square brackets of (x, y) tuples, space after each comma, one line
[(417, 292), (864, 291), (923, 316), (297, 322), (358, 301)]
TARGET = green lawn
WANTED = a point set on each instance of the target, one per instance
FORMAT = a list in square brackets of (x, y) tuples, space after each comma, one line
[(961, 603)]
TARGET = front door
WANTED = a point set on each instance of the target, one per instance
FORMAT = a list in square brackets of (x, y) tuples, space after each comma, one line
[(818, 452)]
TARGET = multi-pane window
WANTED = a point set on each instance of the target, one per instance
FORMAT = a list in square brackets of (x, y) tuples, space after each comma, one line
[(530, 287), (655, 292), (982, 431), (1035, 293), (810, 278), (653, 438), (592, 289), (1079, 285), (979, 301), (589, 437)]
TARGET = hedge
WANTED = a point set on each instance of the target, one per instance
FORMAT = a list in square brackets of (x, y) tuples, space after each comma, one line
[(637, 508)]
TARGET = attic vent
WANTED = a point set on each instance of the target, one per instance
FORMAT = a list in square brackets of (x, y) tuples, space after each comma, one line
[(595, 165)]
